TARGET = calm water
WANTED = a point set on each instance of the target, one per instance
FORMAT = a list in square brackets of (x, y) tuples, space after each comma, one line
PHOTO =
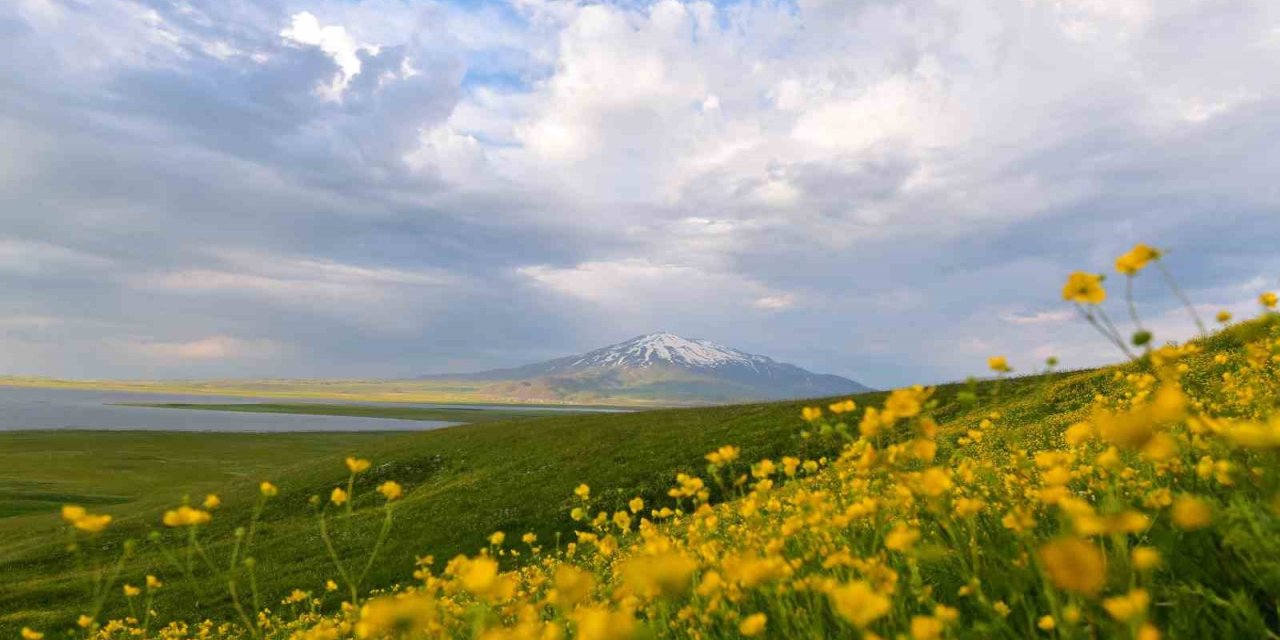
[(75, 409)]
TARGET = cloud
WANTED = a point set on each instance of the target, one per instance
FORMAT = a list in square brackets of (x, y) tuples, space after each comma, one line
[(775, 302), (379, 298), (644, 285), (385, 186), (36, 257), (1039, 317), (334, 40), (210, 348)]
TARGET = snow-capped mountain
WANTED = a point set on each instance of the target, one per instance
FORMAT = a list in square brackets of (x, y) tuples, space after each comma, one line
[(667, 348), (661, 368)]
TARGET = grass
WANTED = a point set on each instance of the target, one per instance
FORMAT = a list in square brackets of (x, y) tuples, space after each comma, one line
[(1131, 502), (468, 415), (462, 484), (402, 391)]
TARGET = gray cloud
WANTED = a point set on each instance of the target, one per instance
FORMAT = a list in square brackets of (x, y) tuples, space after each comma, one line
[(882, 191)]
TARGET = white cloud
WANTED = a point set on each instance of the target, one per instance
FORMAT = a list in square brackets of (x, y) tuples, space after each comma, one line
[(334, 40), (775, 302), (42, 258), (210, 348), (1039, 317), (377, 297), (661, 163), (638, 284)]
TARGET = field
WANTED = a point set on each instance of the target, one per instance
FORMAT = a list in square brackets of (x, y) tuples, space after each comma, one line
[(468, 415), (462, 484), (406, 391), (1136, 501)]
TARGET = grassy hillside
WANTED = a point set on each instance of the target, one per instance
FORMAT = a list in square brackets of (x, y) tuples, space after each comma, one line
[(468, 415), (462, 483), (1110, 503), (539, 391)]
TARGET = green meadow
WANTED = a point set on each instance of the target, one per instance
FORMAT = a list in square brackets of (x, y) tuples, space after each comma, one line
[(468, 415), (462, 483), (519, 475)]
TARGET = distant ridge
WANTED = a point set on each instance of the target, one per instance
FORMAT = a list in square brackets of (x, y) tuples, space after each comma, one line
[(660, 368)]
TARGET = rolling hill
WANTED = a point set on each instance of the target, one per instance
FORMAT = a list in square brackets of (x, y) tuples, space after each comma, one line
[(462, 483)]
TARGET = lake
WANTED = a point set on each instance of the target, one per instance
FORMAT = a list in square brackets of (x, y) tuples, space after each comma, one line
[(36, 408)]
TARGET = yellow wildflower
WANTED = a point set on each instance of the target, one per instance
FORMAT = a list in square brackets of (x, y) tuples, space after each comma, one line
[(391, 490), (1136, 259), (934, 482), (965, 507), (622, 520), (999, 364), (724, 455), (1129, 606), (338, 496), (926, 628), (1046, 623), (154, 583), (269, 490), (754, 570), (1078, 433), (901, 538), (30, 634), (753, 625), (872, 422), (1085, 288), (1268, 300), (185, 516), (404, 615), (582, 491), (1145, 558), (1224, 316), (211, 502), (571, 586), (92, 523), (809, 414), (599, 623), (480, 577), (905, 403), (649, 577), (73, 512), (131, 591), (357, 465), (1074, 565), (1191, 513), (858, 603), (82, 520), (843, 406)]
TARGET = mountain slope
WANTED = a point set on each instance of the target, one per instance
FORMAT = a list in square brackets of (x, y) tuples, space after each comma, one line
[(660, 368)]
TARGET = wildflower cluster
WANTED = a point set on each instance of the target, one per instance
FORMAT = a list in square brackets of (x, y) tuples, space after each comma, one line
[(1154, 502)]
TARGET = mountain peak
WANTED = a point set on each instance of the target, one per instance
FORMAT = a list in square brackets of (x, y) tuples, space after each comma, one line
[(666, 348), (661, 367)]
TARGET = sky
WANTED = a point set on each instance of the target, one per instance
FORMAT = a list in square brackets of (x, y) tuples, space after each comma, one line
[(886, 190)]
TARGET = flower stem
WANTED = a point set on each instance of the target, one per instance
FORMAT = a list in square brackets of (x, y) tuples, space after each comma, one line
[(1186, 302)]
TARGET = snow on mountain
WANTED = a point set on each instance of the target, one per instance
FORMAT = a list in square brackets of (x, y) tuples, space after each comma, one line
[(667, 348), (661, 368)]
